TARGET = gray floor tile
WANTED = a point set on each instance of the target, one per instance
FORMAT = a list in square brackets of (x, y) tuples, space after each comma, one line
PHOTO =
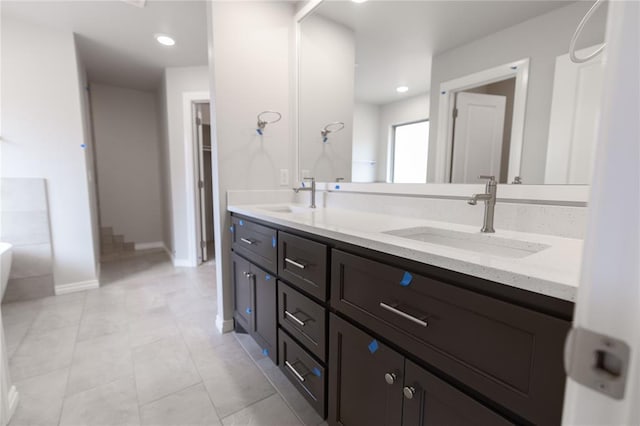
[(97, 323), (271, 411), (155, 325), (112, 404), (20, 312), (232, 378), (14, 335), (163, 367), (41, 353), (58, 315), (200, 333), (40, 399), (99, 361), (190, 407)]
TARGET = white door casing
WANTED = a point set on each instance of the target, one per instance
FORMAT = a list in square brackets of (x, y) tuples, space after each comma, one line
[(608, 300), (575, 105), (477, 137)]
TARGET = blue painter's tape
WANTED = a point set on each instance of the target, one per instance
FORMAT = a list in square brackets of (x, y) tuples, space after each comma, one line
[(259, 131), (273, 241), (231, 228), (406, 279), (337, 186), (248, 310), (265, 352), (83, 146), (242, 223), (373, 346), (267, 277), (316, 371)]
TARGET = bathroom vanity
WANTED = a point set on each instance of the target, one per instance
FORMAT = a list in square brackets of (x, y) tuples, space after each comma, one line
[(387, 320)]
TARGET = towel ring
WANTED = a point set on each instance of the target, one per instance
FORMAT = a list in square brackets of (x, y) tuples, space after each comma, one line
[(262, 123), (334, 127), (576, 35)]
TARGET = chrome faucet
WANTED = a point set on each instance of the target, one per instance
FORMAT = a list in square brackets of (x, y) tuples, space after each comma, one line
[(489, 198), (312, 189)]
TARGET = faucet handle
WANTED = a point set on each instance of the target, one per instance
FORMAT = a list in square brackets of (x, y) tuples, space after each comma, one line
[(491, 178)]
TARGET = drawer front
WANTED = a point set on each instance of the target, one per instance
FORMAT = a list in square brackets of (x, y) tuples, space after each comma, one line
[(255, 242), (435, 402), (304, 372), (303, 318), (510, 354), (242, 283), (304, 264)]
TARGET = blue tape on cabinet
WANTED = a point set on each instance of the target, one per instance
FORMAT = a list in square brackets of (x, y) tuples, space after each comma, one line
[(316, 371), (373, 346), (265, 352), (406, 279), (273, 241), (267, 277), (241, 223), (248, 310)]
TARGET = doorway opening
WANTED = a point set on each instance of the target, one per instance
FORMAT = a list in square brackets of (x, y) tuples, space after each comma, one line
[(204, 187)]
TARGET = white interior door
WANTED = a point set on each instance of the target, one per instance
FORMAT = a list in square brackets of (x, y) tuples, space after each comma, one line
[(477, 136), (609, 294), (575, 105), (201, 186)]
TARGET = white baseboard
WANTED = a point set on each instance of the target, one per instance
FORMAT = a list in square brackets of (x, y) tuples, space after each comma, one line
[(224, 326), (12, 397), (147, 246), (183, 263), (78, 286)]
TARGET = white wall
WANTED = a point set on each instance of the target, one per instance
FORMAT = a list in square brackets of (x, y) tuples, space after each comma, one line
[(251, 47), (408, 110), (327, 60), (178, 81), (42, 136), (366, 121), (541, 39), (127, 145), (165, 168)]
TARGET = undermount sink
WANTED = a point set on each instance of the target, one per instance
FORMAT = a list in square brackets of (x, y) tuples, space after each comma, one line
[(286, 208), (479, 243)]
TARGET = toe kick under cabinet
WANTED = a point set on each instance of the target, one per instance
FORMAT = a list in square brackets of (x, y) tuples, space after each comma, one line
[(373, 339)]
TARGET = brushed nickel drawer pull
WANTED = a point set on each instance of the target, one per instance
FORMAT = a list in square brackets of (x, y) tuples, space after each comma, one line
[(403, 314), (244, 240), (293, 317), (294, 263), (294, 371)]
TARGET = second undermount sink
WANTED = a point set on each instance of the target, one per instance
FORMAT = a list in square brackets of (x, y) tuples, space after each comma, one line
[(286, 208), (479, 243)]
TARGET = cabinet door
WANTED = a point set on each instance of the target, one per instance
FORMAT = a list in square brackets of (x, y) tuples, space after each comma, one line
[(264, 326), (365, 378), (242, 283), (430, 401)]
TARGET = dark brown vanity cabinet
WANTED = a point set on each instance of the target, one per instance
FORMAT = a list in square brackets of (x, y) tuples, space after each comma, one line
[(255, 304), (255, 242), (372, 384)]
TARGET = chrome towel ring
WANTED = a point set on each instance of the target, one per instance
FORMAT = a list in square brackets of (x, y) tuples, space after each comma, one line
[(576, 35), (334, 127), (262, 122)]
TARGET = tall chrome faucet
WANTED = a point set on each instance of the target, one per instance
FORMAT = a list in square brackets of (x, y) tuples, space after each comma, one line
[(312, 188), (489, 198)]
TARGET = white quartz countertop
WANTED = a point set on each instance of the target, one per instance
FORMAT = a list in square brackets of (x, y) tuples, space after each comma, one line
[(552, 271)]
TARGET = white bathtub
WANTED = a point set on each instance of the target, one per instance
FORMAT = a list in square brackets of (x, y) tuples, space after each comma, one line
[(5, 266)]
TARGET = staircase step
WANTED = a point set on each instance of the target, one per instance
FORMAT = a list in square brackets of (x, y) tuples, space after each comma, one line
[(129, 246), (106, 231)]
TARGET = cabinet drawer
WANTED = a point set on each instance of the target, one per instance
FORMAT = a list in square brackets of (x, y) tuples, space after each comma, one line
[(510, 354), (303, 371), (303, 318), (304, 264), (255, 242)]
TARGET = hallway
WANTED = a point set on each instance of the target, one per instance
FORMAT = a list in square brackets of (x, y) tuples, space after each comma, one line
[(142, 349)]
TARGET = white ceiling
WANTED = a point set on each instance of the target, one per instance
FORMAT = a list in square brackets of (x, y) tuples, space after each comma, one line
[(395, 40), (115, 39)]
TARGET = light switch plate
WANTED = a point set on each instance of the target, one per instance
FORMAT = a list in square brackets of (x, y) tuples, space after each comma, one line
[(284, 177)]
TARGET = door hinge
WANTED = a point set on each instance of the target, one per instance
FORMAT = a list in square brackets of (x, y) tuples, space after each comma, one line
[(455, 113), (597, 361), (200, 184)]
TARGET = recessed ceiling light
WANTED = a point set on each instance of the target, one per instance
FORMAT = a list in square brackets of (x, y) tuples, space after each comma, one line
[(402, 89), (358, 1), (165, 40)]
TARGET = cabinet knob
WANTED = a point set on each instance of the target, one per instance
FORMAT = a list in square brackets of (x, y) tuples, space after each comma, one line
[(390, 378), (248, 275), (409, 392)]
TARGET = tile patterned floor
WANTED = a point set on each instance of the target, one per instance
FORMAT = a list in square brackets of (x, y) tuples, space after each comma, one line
[(142, 350)]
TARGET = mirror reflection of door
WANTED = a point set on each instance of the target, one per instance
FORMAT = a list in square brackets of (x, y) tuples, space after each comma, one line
[(410, 152), (482, 132)]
